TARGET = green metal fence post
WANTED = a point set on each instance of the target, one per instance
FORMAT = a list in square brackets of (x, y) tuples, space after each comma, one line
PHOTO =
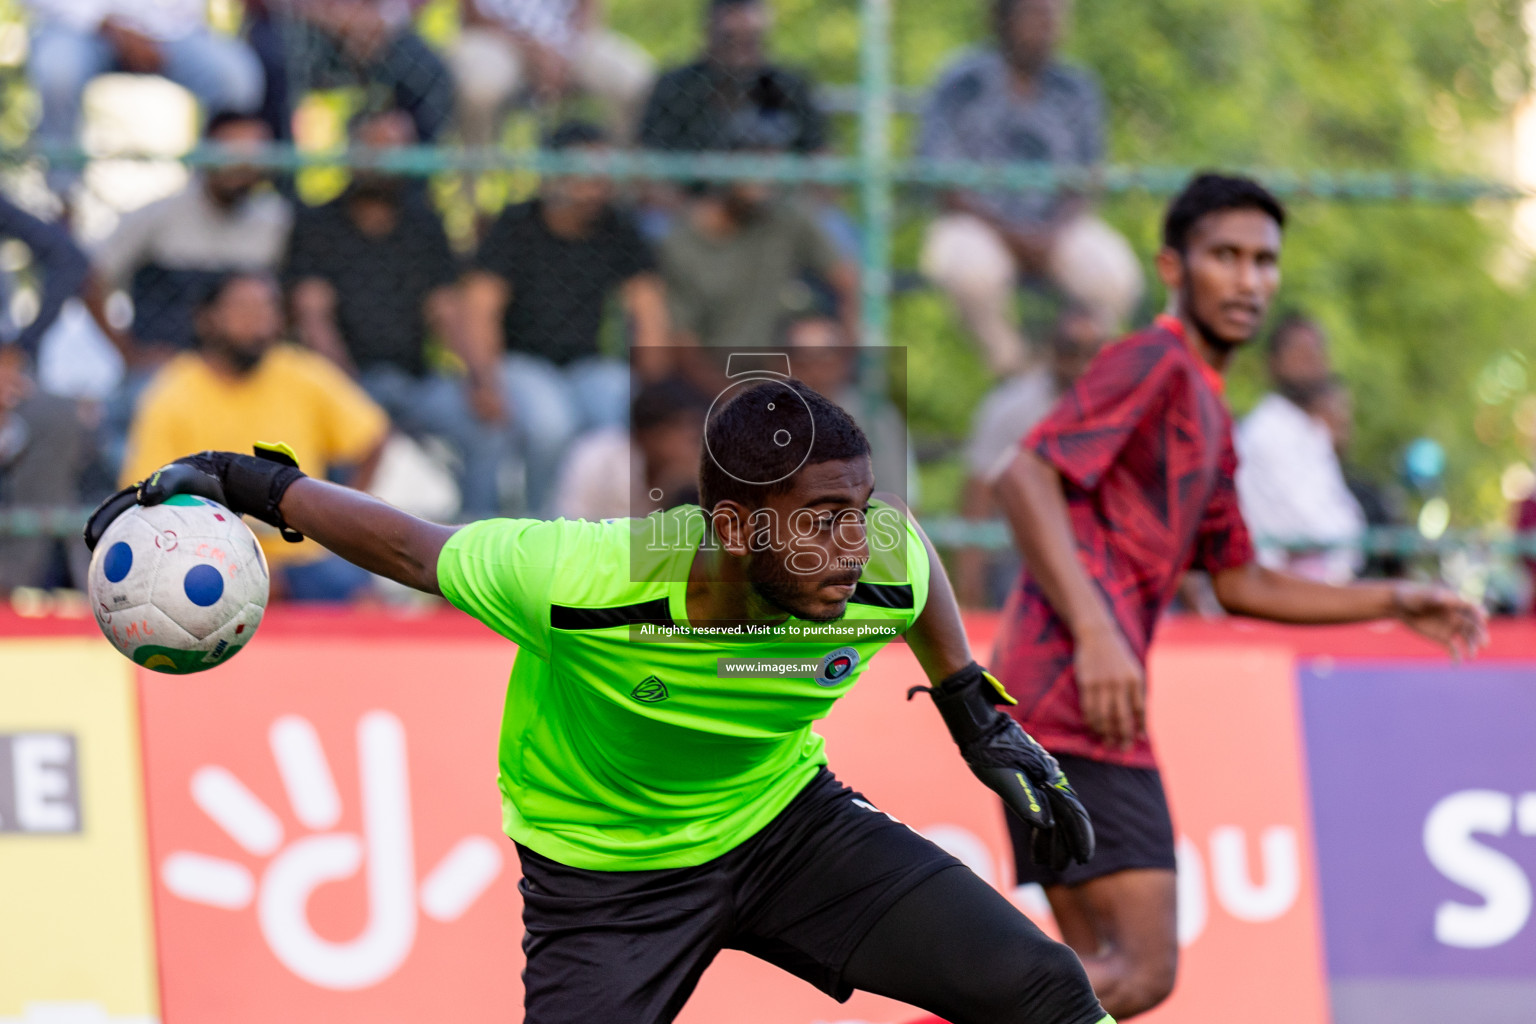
[(875, 169)]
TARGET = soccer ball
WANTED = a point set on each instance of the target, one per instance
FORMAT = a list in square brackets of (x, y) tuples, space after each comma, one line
[(178, 587)]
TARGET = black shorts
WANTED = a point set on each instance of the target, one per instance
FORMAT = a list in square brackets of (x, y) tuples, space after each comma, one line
[(621, 946), (1131, 824)]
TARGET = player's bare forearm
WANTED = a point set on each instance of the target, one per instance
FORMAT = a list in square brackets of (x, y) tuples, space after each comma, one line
[(937, 637), (1030, 495), (367, 532), (1262, 593), (1435, 613)]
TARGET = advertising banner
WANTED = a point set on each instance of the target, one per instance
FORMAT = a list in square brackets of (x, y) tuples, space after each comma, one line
[(1226, 727), (75, 939), (1424, 790), (323, 830), (324, 835)]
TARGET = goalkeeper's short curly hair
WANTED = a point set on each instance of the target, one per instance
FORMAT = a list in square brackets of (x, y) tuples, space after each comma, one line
[(745, 427)]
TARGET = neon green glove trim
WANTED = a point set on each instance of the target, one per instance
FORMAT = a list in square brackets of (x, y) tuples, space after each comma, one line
[(277, 448), (1001, 692)]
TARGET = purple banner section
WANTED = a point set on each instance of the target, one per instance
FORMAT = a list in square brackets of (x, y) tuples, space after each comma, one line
[(1424, 799)]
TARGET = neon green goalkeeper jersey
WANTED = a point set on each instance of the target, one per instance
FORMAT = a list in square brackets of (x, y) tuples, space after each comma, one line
[(623, 746)]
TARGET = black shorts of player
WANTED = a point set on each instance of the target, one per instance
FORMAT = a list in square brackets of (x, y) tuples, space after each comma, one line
[(832, 890), (1131, 824)]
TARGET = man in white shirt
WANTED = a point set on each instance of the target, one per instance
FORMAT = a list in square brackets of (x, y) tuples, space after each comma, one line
[(1289, 482), (74, 41), (543, 49)]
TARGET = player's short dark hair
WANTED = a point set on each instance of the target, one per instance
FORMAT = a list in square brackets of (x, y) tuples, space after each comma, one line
[(222, 119), (1285, 327), (568, 134), (1209, 193), (743, 430)]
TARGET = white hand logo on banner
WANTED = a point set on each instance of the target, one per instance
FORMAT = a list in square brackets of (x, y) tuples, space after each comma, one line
[(386, 848)]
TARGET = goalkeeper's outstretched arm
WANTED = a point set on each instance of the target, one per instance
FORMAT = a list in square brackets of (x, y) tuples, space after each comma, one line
[(367, 532), (269, 486)]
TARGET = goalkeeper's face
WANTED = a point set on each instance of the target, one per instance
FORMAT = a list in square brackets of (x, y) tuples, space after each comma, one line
[(809, 544)]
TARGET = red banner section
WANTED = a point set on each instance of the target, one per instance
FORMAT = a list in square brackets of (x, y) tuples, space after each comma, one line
[(1227, 728), (324, 835)]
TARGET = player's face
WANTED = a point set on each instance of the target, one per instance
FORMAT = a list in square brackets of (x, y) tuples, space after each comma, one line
[(811, 562), (1227, 275)]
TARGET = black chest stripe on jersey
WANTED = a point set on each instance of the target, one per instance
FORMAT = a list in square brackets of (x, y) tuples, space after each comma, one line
[(564, 617), (883, 595)]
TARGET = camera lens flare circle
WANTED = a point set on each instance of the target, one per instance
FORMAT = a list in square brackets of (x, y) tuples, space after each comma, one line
[(789, 425)]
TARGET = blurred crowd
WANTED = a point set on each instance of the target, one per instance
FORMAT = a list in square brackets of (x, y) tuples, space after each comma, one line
[(561, 362)]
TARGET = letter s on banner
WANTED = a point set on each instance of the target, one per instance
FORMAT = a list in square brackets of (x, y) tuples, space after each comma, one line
[(1506, 892)]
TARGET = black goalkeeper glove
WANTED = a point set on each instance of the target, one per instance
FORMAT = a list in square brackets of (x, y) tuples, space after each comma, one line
[(1004, 757), (251, 485)]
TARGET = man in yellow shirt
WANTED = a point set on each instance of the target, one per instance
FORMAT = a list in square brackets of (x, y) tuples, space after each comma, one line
[(243, 385)]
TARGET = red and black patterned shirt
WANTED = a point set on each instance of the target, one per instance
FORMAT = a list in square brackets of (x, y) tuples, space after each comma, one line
[(1143, 443)]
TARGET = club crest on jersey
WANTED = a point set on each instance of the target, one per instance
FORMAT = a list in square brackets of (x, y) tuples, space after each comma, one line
[(837, 666), (650, 690)]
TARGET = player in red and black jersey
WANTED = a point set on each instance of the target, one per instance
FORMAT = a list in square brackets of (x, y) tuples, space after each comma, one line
[(1120, 490)]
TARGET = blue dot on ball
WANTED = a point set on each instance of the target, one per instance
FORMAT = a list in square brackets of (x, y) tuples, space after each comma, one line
[(118, 561), (204, 585)]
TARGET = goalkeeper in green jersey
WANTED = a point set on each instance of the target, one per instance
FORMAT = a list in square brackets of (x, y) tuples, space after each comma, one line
[(661, 780)]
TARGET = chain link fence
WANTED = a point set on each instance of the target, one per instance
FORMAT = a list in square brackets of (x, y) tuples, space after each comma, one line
[(486, 229)]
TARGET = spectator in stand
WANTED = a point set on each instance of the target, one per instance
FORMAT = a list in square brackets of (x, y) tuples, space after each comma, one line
[(74, 41), (243, 385), (1018, 102), (536, 296), (542, 49), (371, 278), (44, 450), (737, 261), (696, 107), (824, 356), (329, 44), (1289, 482), (1005, 416), (165, 254), (654, 465), (63, 268)]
